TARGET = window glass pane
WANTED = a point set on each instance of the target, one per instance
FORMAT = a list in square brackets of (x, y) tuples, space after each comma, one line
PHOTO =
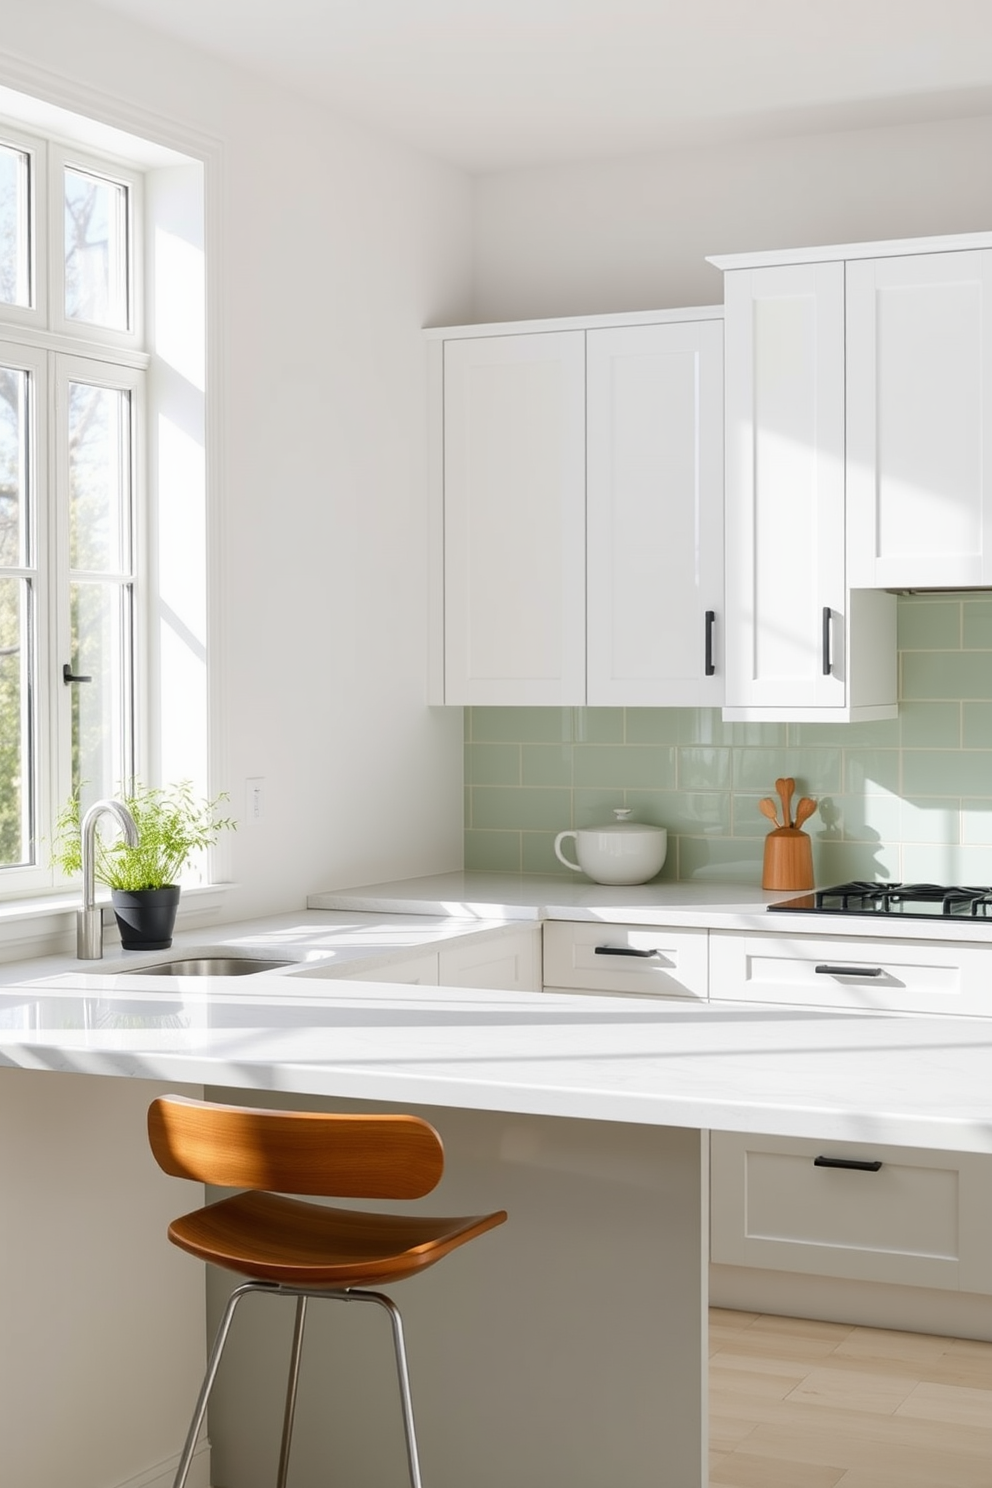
[(14, 431), (99, 478), (95, 250), (100, 616), (16, 833), (15, 256)]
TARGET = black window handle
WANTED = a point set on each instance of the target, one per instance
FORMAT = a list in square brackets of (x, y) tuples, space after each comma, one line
[(827, 664), (622, 951), (847, 1162), (710, 665), (68, 675), (872, 971)]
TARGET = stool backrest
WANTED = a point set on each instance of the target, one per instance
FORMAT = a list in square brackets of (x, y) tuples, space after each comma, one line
[(295, 1152)]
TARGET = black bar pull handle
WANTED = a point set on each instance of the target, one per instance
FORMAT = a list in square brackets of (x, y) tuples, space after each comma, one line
[(847, 1162), (827, 663), (862, 971), (710, 665), (68, 675), (622, 951)]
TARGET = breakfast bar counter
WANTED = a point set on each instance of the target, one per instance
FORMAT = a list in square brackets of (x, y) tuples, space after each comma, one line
[(569, 1346)]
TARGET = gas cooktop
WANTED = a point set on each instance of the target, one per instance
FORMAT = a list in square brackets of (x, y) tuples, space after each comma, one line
[(912, 901)]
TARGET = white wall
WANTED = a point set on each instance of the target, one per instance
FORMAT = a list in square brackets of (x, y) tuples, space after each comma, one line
[(633, 233), (335, 248)]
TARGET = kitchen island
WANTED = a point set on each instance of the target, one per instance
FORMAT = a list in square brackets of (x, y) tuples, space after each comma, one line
[(572, 1350)]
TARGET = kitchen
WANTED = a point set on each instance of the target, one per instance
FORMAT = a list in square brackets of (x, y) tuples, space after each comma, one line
[(320, 688)]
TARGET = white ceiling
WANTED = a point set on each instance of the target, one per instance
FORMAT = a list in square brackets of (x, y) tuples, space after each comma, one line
[(492, 84)]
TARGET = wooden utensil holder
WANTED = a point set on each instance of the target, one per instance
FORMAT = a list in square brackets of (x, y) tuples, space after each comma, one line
[(788, 862)]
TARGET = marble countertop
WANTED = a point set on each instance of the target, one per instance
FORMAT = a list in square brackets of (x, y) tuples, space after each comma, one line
[(714, 906), (911, 1081)]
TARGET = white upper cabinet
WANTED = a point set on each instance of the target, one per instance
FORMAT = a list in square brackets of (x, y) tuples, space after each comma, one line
[(800, 644), (919, 416), (655, 515), (514, 519), (580, 477)]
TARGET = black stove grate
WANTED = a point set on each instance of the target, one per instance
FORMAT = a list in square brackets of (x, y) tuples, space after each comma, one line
[(916, 901)]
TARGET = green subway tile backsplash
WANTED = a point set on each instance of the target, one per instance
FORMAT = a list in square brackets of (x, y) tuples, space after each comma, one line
[(906, 798)]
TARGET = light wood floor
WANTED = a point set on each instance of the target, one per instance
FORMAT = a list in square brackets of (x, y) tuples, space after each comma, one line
[(801, 1404)]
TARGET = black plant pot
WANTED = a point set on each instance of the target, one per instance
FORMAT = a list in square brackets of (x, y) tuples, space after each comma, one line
[(146, 918)]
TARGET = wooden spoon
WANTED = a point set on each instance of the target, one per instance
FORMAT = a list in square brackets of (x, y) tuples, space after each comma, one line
[(768, 808), (805, 810), (785, 787)]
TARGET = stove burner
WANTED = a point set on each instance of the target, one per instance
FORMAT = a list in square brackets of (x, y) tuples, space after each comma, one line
[(914, 900)]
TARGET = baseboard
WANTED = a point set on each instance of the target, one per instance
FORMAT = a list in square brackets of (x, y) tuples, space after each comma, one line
[(163, 1474)]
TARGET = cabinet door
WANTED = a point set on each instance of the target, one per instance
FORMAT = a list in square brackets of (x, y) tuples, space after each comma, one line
[(655, 515), (507, 963), (799, 645), (514, 519), (919, 410)]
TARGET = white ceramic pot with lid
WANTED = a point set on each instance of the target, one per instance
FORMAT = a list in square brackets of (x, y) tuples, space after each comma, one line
[(625, 852)]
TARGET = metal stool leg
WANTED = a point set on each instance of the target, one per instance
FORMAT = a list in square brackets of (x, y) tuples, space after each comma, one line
[(208, 1379), (404, 1376), (291, 1388)]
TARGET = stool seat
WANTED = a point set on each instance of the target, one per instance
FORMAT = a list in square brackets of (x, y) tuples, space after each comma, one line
[(273, 1238)]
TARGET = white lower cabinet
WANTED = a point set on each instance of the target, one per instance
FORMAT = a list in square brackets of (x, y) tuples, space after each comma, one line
[(581, 957), (510, 963), (861, 1211)]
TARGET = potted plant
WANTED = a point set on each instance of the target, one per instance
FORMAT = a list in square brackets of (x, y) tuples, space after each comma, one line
[(143, 881)]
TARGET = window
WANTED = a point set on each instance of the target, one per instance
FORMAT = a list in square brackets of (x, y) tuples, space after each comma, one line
[(72, 373)]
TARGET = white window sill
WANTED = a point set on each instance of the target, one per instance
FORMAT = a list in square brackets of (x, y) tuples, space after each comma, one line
[(46, 926)]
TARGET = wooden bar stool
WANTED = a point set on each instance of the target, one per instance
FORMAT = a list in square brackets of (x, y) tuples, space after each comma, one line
[(302, 1250)]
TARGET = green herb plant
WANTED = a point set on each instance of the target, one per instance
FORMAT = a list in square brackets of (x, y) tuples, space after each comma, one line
[(172, 825)]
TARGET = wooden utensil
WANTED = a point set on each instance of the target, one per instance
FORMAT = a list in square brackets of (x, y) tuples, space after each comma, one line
[(768, 808), (785, 787), (804, 810)]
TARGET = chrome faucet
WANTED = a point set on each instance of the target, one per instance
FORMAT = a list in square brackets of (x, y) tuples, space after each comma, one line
[(89, 919)]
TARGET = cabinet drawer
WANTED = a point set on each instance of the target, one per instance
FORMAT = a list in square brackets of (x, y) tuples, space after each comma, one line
[(921, 1219), (910, 976), (508, 963), (418, 971), (624, 958)]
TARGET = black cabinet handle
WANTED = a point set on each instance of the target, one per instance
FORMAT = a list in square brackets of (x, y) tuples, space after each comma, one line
[(847, 1162), (827, 664), (710, 665), (68, 675), (622, 951), (872, 971)]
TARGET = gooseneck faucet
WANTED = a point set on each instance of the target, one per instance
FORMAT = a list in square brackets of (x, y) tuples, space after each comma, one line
[(89, 919)]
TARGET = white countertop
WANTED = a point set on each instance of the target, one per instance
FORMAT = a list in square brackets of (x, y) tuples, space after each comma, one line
[(912, 1081), (714, 906)]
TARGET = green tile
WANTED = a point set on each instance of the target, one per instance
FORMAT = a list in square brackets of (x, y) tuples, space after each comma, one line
[(547, 764), (947, 863), (933, 725), (929, 819), (493, 852), (976, 725), (883, 733), (837, 862), (703, 769), (625, 766), (976, 627), (947, 772), (597, 725), (492, 764), (702, 726), (698, 813), (947, 674), (505, 809), (655, 725), (748, 819), (815, 771), (594, 808), (928, 626), (866, 818), (720, 859), (522, 725), (976, 827), (539, 856), (871, 770)]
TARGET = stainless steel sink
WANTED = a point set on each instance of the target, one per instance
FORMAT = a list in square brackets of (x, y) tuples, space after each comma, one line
[(212, 966)]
